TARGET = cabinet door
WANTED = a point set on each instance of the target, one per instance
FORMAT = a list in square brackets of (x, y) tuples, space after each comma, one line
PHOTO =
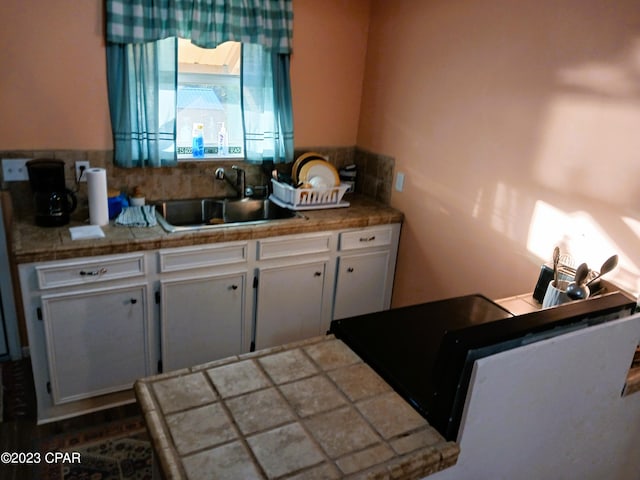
[(202, 319), (361, 285), (289, 303), (96, 341)]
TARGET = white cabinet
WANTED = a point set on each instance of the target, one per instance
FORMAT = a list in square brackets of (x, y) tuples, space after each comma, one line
[(202, 308), (96, 341), (292, 274), (289, 303), (96, 324), (361, 284), (90, 331), (366, 264), (201, 319)]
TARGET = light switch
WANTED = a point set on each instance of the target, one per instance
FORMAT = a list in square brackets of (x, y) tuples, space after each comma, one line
[(399, 181)]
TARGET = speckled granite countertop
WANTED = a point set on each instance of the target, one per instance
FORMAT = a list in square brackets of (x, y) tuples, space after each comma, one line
[(306, 410), (34, 244)]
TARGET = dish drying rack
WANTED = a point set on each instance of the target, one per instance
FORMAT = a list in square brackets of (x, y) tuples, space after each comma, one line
[(308, 198)]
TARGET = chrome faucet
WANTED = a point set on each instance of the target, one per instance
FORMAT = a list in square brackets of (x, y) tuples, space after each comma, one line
[(240, 185)]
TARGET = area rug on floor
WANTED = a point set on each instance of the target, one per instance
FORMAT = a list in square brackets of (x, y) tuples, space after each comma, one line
[(117, 451), (18, 400)]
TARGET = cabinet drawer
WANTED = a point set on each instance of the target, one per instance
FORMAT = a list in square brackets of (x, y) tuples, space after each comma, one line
[(371, 237), (175, 259), (293, 245), (81, 272)]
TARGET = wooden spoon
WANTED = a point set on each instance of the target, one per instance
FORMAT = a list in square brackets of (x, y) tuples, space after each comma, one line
[(609, 264), (576, 290), (556, 259)]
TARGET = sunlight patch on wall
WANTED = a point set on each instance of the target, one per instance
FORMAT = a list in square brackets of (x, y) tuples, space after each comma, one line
[(475, 213), (589, 146), (506, 206), (612, 80), (500, 208), (546, 222), (589, 141), (579, 235), (633, 224)]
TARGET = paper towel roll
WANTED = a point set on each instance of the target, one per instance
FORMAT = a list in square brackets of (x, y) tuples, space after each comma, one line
[(97, 193)]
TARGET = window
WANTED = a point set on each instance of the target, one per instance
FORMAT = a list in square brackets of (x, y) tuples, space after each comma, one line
[(143, 82), (209, 100)]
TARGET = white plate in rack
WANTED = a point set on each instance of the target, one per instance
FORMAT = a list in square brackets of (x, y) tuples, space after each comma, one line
[(322, 169), (299, 163)]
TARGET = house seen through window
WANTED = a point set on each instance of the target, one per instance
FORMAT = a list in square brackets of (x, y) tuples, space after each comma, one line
[(209, 102)]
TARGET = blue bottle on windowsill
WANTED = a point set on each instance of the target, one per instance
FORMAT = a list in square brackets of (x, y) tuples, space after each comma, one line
[(197, 146)]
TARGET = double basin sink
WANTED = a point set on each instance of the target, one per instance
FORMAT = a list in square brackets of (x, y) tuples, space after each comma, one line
[(209, 213)]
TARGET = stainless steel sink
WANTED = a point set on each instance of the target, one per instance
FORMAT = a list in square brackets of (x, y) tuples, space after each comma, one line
[(207, 213)]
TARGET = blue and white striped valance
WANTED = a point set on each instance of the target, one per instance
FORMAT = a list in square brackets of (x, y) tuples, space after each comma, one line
[(207, 23)]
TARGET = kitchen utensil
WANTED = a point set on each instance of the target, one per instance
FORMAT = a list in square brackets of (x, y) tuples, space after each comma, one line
[(556, 294), (581, 273), (609, 264), (556, 259), (577, 290), (566, 260)]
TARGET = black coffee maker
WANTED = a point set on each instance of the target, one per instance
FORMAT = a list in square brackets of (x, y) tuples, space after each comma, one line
[(53, 200)]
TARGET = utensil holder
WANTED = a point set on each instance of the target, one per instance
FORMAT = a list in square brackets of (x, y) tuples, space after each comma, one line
[(556, 295)]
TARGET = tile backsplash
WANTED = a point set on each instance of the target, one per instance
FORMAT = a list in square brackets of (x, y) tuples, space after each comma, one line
[(196, 179)]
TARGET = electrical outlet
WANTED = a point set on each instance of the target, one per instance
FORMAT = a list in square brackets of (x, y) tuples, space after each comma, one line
[(15, 169), (81, 167)]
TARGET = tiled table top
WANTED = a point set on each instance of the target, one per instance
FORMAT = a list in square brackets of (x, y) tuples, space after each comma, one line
[(307, 410)]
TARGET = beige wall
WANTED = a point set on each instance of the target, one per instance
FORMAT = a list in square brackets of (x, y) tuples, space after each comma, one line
[(53, 79), (327, 67), (516, 124), (53, 92)]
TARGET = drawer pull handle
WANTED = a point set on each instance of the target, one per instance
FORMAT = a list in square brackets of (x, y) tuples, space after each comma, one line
[(134, 301), (368, 239), (234, 287), (317, 274), (350, 269), (93, 273)]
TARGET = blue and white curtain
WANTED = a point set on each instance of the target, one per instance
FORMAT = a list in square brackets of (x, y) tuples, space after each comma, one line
[(141, 61), (266, 105), (136, 73)]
